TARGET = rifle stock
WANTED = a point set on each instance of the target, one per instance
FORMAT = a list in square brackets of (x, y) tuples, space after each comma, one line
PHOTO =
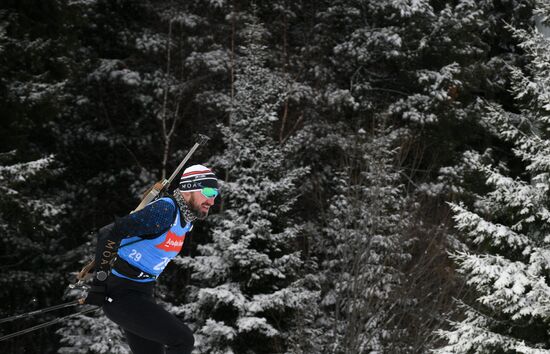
[(151, 194)]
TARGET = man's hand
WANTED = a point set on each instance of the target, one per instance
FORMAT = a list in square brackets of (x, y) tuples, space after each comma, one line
[(96, 294)]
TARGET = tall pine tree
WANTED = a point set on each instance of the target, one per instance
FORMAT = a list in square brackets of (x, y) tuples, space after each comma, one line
[(247, 293), (129, 123), (364, 249), (39, 57), (507, 227)]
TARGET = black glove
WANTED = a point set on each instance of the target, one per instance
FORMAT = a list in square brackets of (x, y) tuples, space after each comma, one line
[(96, 294)]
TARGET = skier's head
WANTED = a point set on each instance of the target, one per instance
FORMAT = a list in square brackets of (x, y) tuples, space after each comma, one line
[(199, 187)]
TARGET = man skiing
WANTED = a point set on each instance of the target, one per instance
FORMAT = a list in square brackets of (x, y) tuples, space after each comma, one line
[(142, 244)]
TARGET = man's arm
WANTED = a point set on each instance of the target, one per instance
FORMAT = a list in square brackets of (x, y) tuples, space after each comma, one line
[(149, 222)]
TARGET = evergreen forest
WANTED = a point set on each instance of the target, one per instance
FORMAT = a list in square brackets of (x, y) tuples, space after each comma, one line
[(384, 169)]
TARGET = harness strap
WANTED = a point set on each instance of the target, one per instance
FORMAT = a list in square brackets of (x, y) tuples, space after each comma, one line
[(127, 270)]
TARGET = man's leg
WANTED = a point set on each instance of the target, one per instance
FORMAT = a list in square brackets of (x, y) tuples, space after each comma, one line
[(140, 345), (144, 318)]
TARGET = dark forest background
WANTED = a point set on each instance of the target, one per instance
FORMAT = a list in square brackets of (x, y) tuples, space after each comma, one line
[(341, 130)]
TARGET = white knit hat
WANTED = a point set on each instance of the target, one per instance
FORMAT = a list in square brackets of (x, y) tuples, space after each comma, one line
[(197, 177)]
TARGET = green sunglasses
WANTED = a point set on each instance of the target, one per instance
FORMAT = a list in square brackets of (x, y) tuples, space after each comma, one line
[(209, 192)]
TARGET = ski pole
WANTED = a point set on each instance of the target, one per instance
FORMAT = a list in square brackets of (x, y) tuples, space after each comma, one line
[(46, 324), (44, 310)]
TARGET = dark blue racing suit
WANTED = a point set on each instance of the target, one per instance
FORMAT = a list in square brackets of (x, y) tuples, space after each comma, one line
[(144, 242)]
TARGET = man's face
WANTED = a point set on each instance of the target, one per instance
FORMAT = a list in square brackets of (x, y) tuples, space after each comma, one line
[(199, 203)]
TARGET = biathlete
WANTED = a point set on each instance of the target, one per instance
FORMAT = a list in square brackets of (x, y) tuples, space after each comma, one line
[(143, 243)]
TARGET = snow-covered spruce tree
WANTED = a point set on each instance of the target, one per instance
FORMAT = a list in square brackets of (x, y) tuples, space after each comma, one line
[(36, 66), (85, 335), (509, 226), (424, 62), (29, 247), (247, 294), (364, 249), (101, 131), (132, 119)]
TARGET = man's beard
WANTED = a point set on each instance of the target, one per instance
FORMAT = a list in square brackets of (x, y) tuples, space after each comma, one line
[(196, 209), (185, 209)]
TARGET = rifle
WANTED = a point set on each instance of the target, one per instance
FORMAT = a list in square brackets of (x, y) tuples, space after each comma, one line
[(151, 194)]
